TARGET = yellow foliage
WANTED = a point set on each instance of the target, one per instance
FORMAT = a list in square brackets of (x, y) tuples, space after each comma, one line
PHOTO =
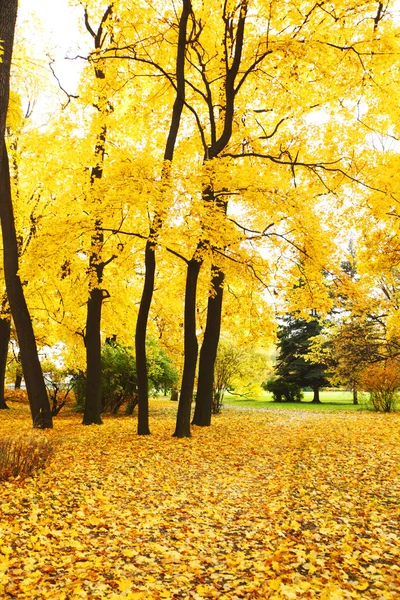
[(264, 505)]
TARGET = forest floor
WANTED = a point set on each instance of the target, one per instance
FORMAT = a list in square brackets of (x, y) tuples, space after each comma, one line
[(264, 504)]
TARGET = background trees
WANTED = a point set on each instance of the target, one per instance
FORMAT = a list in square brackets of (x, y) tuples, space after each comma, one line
[(235, 143), (293, 364)]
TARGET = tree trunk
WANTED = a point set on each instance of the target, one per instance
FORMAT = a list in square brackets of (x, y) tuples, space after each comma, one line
[(140, 339), (174, 394), (18, 380), (355, 396), (4, 341), (150, 259), (92, 413), (8, 17), (316, 399), (37, 393), (96, 295), (191, 350), (208, 352)]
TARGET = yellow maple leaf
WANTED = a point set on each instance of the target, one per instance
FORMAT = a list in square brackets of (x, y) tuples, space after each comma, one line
[(275, 584), (362, 586), (124, 584)]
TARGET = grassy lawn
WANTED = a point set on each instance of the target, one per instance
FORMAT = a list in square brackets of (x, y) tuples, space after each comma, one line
[(330, 400)]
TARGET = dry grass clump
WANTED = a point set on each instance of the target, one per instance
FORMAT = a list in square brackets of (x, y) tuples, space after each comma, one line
[(23, 456)]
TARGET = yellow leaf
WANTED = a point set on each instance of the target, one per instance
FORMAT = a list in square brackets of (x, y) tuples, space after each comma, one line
[(124, 584), (362, 586), (275, 584)]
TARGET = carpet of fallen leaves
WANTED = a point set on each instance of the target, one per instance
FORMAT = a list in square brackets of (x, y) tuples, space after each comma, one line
[(264, 504)]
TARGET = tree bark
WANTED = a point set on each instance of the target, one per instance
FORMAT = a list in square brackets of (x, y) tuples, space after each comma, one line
[(191, 350), (8, 17), (208, 352), (92, 412), (150, 257), (211, 337), (140, 340), (174, 394), (18, 380), (316, 399), (37, 393), (4, 341), (355, 396)]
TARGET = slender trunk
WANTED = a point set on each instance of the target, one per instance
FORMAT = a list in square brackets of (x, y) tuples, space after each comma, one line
[(96, 295), (18, 380), (355, 396), (208, 352), (316, 399), (37, 393), (150, 259), (4, 341), (92, 413), (191, 350), (140, 340)]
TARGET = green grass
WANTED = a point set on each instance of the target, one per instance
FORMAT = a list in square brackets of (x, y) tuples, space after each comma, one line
[(330, 400)]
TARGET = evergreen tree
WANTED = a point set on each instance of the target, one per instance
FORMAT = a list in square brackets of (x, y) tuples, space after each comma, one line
[(294, 345)]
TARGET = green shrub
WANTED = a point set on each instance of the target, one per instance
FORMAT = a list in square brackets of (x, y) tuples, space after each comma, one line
[(282, 391), (24, 456), (119, 379)]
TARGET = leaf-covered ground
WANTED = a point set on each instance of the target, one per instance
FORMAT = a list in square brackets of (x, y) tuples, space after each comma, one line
[(264, 504)]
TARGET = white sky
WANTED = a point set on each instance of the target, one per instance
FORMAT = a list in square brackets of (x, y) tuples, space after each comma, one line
[(57, 33)]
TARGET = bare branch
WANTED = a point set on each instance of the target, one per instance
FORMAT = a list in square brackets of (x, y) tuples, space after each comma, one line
[(69, 96)]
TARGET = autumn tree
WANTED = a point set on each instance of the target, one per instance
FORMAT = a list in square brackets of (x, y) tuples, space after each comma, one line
[(150, 263), (238, 369), (39, 403), (382, 381), (97, 262)]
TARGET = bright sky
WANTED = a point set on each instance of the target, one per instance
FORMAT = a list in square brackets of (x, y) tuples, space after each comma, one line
[(58, 34)]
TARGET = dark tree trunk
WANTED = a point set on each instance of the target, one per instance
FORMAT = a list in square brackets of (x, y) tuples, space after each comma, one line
[(37, 393), (208, 352), (174, 394), (218, 144), (18, 380), (316, 399), (150, 259), (4, 341), (355, 396), (191, 350), (92, 413), (8, 17), (140, 340)]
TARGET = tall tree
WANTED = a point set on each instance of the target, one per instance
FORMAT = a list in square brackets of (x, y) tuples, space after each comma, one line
[(294, 346), (221, 110), (97, 263), (37, 394), (150, 256)]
